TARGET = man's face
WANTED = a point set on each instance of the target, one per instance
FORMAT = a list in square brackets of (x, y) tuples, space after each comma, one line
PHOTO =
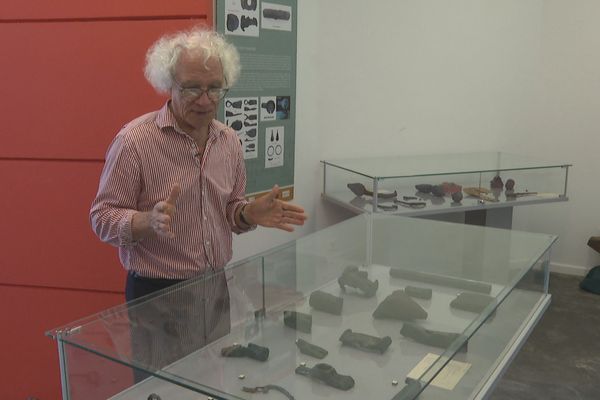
[(193, 112)]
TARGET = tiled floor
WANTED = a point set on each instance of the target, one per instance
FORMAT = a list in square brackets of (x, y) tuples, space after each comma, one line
[(561, 358)]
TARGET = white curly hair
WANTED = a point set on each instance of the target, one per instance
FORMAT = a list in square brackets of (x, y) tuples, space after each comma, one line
[(163, 55)]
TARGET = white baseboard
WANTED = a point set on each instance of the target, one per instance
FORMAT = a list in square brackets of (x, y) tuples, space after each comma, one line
[(568, 269)]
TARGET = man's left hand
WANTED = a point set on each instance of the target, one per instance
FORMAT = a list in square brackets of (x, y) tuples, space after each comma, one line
[(271, 212)]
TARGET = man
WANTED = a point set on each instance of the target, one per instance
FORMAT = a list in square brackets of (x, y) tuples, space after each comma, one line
[(170, 196), (172, 189)]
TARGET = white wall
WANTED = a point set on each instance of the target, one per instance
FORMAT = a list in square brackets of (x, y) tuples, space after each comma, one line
[(422, 76), (565, 125)]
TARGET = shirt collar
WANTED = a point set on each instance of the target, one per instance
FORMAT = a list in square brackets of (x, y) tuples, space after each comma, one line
[(165, 120)]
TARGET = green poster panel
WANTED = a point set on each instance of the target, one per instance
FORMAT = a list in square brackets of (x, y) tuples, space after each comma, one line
[(261, 107)]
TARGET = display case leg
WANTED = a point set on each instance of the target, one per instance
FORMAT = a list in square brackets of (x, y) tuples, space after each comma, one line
[(64, 375)]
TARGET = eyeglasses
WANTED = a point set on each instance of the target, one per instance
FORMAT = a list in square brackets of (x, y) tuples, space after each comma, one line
[(194, 93)]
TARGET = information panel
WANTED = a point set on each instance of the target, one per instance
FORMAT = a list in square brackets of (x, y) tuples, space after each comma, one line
[(261, 106)]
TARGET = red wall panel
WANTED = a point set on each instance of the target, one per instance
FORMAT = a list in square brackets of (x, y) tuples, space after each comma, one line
[(46, 228), (41, 9), (72, 85), (29, 364)]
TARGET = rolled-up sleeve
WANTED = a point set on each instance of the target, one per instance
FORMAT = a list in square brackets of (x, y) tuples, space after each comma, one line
[(116, 201)]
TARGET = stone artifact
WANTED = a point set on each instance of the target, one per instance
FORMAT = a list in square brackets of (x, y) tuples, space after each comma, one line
[(359, 280), (443, 280), (365, 342), (451, 187), (474, 302), (266, 388), (359, 190), (326, 302), (326, 374), (424, 187), (496, 183), (509, 184), (437, 191), (252, 351), (400, 306), (311, 349), (457, 197), (298, 321), (410, 391), (430, 337), (418, 292)]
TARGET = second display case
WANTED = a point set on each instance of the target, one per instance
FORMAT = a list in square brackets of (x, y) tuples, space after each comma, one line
[(443, 183)]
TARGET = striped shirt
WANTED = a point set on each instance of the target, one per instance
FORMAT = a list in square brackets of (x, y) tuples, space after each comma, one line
[(146, 158)]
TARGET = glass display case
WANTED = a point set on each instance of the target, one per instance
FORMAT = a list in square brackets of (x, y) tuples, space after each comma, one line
[(443, 183), (376, 306)]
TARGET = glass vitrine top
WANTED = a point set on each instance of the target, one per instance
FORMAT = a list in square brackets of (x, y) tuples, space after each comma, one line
[(324, 289), (440, 164)]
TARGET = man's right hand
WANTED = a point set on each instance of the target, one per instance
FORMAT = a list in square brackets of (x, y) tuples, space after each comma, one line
[(158, 221), (162, 214)]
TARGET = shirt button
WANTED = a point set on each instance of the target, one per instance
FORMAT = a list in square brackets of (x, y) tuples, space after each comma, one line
[(205, 218), (207, 242)]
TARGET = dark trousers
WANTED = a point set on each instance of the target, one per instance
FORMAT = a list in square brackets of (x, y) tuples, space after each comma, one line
[(178, 319)]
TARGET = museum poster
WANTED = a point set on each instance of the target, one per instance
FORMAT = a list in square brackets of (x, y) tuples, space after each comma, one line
[(261, 106)]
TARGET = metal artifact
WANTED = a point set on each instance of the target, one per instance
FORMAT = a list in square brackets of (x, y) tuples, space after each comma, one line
[(474, 302), (326, 302), (361, 341), (326, 374), (298, 321), (411, 204), (358, 279), (310, 349), (359, 190), (266, 388), (410, 391), (252, 351), (430, 337), (391, 207)]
